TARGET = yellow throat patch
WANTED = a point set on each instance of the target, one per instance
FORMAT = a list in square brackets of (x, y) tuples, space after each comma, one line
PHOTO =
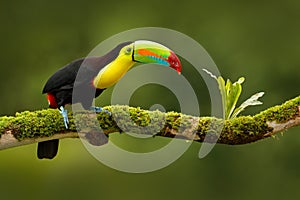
[(115, 70)]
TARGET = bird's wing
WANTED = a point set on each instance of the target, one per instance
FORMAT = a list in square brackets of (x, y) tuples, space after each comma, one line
[(64, 78)]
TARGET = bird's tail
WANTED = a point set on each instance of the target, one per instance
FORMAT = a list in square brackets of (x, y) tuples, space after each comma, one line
[(47, 149)]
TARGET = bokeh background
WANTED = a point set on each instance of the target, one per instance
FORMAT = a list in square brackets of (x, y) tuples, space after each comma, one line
[(255, 39)]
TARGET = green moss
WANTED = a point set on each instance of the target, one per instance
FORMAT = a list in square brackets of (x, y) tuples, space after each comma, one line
[(86, 120), (39, 123), (4, 123), (34, 124), (246, 125), (281, 113), (240, 130), (137, 120), (173, 120), (203, 125), (105, 120)]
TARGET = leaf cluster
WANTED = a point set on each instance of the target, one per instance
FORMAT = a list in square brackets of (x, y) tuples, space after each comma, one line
[(230, 93)]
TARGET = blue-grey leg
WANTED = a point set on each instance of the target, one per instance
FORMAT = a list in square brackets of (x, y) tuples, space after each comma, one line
[(99, 109), (64, 113)]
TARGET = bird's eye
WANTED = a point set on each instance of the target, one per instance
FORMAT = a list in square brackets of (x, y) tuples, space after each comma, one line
[(128, 50)]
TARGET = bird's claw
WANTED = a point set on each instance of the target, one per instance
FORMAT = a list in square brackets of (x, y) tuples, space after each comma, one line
[(100, 109), (64, 113)]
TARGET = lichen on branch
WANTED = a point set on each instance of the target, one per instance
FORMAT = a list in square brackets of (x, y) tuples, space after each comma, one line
[(35, 126)]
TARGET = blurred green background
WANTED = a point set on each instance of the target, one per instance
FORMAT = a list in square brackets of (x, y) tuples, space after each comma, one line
[(256, 39)]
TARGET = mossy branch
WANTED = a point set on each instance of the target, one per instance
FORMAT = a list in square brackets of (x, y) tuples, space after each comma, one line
[(36, 126)]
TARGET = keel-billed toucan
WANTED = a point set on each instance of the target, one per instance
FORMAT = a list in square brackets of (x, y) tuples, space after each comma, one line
[(97, 74)]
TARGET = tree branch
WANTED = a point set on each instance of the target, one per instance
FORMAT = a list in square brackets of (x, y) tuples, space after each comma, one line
[(36, 126)]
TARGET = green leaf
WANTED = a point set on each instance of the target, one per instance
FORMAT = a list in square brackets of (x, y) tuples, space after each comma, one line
[(233, 92), (221, 84), (230, 93), (222, 88), (252, 101)]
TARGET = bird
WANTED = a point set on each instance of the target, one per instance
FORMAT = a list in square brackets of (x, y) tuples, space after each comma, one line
[(92, 75)]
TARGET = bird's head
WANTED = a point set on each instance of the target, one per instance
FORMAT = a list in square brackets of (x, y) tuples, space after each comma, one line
[(143, 51), (125, 55)]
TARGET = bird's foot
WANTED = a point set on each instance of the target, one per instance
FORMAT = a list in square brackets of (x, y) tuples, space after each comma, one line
[(100, 109), (64, 113)]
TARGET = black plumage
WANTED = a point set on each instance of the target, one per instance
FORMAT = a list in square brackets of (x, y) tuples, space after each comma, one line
[(62, 82), (75, 78)]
